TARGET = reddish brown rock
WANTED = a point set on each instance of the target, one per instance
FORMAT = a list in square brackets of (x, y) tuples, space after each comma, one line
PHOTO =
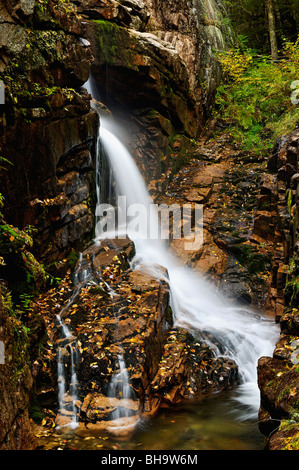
[(278, 377), (48, 131)]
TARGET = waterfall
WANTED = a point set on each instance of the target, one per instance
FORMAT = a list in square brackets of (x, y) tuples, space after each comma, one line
[(67, 381), (240, 334), (68, 354), (120, 388)]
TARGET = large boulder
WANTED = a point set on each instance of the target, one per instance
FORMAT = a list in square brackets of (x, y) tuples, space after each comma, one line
[(131, 358)]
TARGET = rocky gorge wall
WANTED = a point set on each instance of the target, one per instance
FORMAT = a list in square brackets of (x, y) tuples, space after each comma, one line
[(154, 67), (139, 59), (48, 133), (278, 376)]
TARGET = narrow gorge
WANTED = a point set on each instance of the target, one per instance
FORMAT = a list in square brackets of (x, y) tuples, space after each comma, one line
[(115, 338)]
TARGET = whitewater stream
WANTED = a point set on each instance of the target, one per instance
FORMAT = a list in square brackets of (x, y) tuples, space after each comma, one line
[(240, 333)]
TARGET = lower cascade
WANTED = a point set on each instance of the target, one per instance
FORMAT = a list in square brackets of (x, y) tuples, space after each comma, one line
[(120, 389), (230, 330), (67, 359)]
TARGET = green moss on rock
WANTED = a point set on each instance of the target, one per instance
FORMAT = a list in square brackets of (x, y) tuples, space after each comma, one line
[(114, 44)]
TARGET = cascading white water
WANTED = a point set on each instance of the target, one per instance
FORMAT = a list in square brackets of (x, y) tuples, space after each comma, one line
[(243, 335), (67, 399), (120, 388), (61, 379), (67, 376), (82, 273)]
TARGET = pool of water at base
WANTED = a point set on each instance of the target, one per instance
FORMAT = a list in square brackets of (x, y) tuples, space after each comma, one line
[(209, 424)]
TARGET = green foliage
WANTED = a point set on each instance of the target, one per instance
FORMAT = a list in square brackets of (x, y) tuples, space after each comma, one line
[(35, 272), (255, 97), (5, 161), (6, 299), (24, 279), (41, 5), (73, 259), (28, 76), (11, 238), (63, 6), (30, 276), (235, 62), (292, 292), (289, 428), (15, 315), (25, 300)]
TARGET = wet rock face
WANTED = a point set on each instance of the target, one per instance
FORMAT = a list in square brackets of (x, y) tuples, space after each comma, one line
[(15, 385), (188, 369), (118, 313), (195, 30), (129, 13), (143, 80), (48, 131), (278, 376), (228, 186), (54, 184), (47, 136)]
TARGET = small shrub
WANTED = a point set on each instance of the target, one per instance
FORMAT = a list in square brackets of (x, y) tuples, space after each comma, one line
[(255, 97)]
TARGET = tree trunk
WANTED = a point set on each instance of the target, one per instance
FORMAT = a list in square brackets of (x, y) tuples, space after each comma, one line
[(272, 29)]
